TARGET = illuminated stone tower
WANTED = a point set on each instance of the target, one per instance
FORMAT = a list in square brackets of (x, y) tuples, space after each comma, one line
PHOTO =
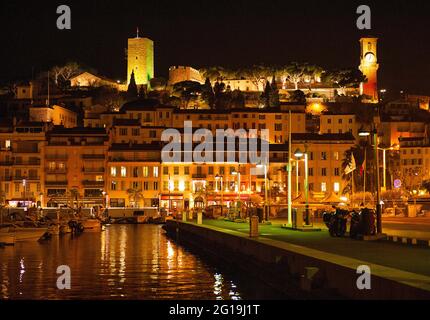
[(140, 59), (369, 66)]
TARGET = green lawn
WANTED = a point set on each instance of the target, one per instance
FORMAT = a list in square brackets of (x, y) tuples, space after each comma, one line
[(407, 258)]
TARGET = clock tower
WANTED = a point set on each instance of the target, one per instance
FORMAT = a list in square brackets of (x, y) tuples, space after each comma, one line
[(369, 67)]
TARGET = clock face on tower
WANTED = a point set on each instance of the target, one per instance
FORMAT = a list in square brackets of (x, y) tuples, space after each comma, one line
[(369, 57)]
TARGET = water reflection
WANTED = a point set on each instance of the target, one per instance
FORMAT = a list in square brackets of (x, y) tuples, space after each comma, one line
[(123, 262)]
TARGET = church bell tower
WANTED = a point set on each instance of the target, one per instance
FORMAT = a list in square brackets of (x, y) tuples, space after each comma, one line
[(369, 67)]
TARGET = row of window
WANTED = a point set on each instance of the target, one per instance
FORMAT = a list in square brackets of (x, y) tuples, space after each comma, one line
[(134, 171), (339, 121)]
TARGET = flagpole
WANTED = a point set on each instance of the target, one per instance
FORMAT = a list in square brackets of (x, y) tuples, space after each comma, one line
[(364, 178)]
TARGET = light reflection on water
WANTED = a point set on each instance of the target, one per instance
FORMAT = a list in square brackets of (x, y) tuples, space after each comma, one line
[(123, 262)]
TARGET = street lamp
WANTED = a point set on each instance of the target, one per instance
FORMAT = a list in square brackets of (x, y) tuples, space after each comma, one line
[(237, 173), (299, 154), (220, 177), (374, 132), (264, 166), (384, 164)]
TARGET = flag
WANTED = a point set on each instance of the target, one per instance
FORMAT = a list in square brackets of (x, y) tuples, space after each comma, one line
[(362, 168), (351, 165)]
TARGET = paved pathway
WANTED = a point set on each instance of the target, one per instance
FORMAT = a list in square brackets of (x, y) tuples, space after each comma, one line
[(406, 258)]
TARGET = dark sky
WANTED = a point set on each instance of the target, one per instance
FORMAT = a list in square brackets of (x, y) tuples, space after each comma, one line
[(231, 33)]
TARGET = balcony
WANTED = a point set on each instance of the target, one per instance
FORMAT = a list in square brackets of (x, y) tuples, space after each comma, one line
[(56, 157), (55, 170), (56, 183), (27, 163), (93, 170), (93, 156), (31, 178), (6, 163), (199, 176), (91, 183)]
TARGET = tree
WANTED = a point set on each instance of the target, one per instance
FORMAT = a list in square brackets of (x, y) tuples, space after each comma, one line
[(346, 78), (187, 90), (237, 100), (298, 96), (158, 83), (62, 74), (265, 96), (257, 74), (274, 94), (219, 98), (208, 94), (295, 73), (132, 92)]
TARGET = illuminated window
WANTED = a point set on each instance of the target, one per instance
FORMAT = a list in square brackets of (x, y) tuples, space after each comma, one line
[(113, 171), (175, 171), (113, 185), (146, 172), (155, 185), (176, 185), (165, 185), (336, 187), (165, 170), (123, 171), (99, 178), (323, 187), (336, 155), (187, 185), (155, 172)]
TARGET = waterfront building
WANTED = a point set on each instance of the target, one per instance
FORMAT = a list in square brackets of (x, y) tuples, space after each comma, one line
[(75, 165)]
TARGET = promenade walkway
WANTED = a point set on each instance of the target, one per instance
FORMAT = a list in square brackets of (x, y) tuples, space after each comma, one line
[(406, 258)]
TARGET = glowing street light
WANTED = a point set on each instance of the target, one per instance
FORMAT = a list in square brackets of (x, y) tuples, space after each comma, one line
[(220, 177), (299, 154)]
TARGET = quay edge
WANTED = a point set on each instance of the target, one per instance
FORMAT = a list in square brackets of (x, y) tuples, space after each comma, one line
[(300, 272)]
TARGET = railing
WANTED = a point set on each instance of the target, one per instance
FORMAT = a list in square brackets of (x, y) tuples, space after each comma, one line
[(56, 170), (89, 183), (6, 163), (93, 156), (199, 176), (55, 183), (56, 157), (93, 170), (28, 163)]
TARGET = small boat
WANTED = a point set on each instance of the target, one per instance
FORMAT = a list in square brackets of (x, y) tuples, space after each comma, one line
[(92, 225), (23, 233), (7, 239)]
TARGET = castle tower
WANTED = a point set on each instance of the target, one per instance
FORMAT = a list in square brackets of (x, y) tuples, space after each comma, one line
[(369, 67), (140, 59)]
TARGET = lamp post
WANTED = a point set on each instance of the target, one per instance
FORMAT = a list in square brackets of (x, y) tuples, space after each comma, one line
[(298, 154), (237, 173), (220, 177), (374, 132), (384, 165), (264, 166)]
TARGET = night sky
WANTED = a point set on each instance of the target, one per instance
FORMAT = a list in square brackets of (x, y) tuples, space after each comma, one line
[(230, 33)]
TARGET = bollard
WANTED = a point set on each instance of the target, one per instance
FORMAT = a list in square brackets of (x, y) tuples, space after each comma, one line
[(199, 217), (190, 212), (253, 227), (184, 216)]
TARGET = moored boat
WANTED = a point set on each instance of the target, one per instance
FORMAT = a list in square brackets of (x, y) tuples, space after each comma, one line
[(23, 233), (92, 225)]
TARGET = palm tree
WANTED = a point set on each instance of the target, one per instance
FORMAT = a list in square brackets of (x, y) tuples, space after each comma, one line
[(134, 195), (74, 196)]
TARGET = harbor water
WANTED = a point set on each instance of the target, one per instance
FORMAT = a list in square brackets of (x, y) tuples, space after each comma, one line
[(122, 262)]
